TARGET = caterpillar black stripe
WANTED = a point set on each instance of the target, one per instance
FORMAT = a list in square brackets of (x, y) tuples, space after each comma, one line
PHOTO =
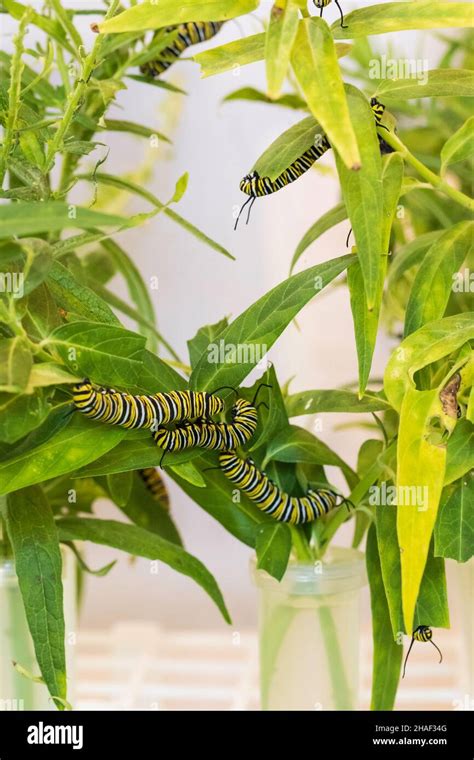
[(143, 411), (271, 499), (256, 186), (155, 484), (187, 35), (424, 634), (217, 436)]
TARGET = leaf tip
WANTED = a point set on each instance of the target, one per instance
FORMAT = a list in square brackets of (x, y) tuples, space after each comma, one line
[(95, 28), (356, 167)]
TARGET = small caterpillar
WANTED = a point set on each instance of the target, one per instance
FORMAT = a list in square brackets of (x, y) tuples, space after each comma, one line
[(256, 186), (217, 436), (143, 411), (155, 484), (322, 4), (188, 34), (271, 499), (423, 633)]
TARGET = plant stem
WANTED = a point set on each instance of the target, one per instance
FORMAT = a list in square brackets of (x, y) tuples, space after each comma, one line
[(301, 546), (343, 698), (434, 180), (76, 96), (14, 92)]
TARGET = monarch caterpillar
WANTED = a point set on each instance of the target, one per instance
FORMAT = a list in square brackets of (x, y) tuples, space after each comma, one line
[(188, 34), (130, 411), (271, 499), (322, 5), (256, 186), (154, 483), (423, 633), (217, 436)]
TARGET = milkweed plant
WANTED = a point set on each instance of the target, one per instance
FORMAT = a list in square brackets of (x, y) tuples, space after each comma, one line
[(404, 180)]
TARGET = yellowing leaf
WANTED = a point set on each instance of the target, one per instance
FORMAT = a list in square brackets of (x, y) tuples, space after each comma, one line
[(315, 63), (280, 37), (154, 15)]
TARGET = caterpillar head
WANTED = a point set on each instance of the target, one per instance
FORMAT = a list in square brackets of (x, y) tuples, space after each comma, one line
[(83, 386), (423, 633), (248, 181), (319, 3)]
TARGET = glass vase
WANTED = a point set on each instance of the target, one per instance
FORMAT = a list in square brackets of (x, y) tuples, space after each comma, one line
[(17, 691), (309, 633)]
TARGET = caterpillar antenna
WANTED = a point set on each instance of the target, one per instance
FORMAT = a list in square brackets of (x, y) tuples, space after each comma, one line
[(343, 26), (262, 385), (439, 650), (348, 238), (262, 403), (250, 209), (240, 212), (225, 387), (408, 654)]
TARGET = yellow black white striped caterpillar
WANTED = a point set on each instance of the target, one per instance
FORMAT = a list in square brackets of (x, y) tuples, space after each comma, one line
[(256, 186), (187, 35), (423, 633), (322, 4), (217, 436), (143, 411), (271, 499), (155, 484)]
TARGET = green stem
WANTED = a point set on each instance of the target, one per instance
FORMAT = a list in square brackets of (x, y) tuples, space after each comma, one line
[(434, 180), (77, 95), (301, 546), (342, 695), (14, 93)]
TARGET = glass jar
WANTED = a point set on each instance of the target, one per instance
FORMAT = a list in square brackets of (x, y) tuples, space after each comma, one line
[(309, 633)]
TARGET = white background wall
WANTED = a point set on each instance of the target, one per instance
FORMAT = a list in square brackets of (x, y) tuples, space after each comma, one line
[(218, 143)]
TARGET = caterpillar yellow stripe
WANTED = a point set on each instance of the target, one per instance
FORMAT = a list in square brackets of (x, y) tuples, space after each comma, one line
[(271, 499), (143, 411), (188, 34), (218, 436)]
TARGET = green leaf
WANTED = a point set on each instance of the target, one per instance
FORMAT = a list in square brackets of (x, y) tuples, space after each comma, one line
[(314, 51), (459, 146), (432, 604), (34, 539), (397, 17), (287, 148), (70, 448), (363, 193), (120, 125), (433, 283), (73, 296), (273, 547), (16, 361), (132, 454), (105, 353), (366, 321), (50, 216), (279, 41), (409, 255), (250, 93), (204, 337), (21, 414), (420, 474), (146, 512), (160, 83), (428, 84), (120, 487), (387, 658), (48, 373), (142, 543), (232, 55), (460, 452), (324, 223), (427, 345), (50, 26), (152, 15), (299, 445), (317, 402), (187, 471), (100, 573), (454, 530), (257, 328)]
